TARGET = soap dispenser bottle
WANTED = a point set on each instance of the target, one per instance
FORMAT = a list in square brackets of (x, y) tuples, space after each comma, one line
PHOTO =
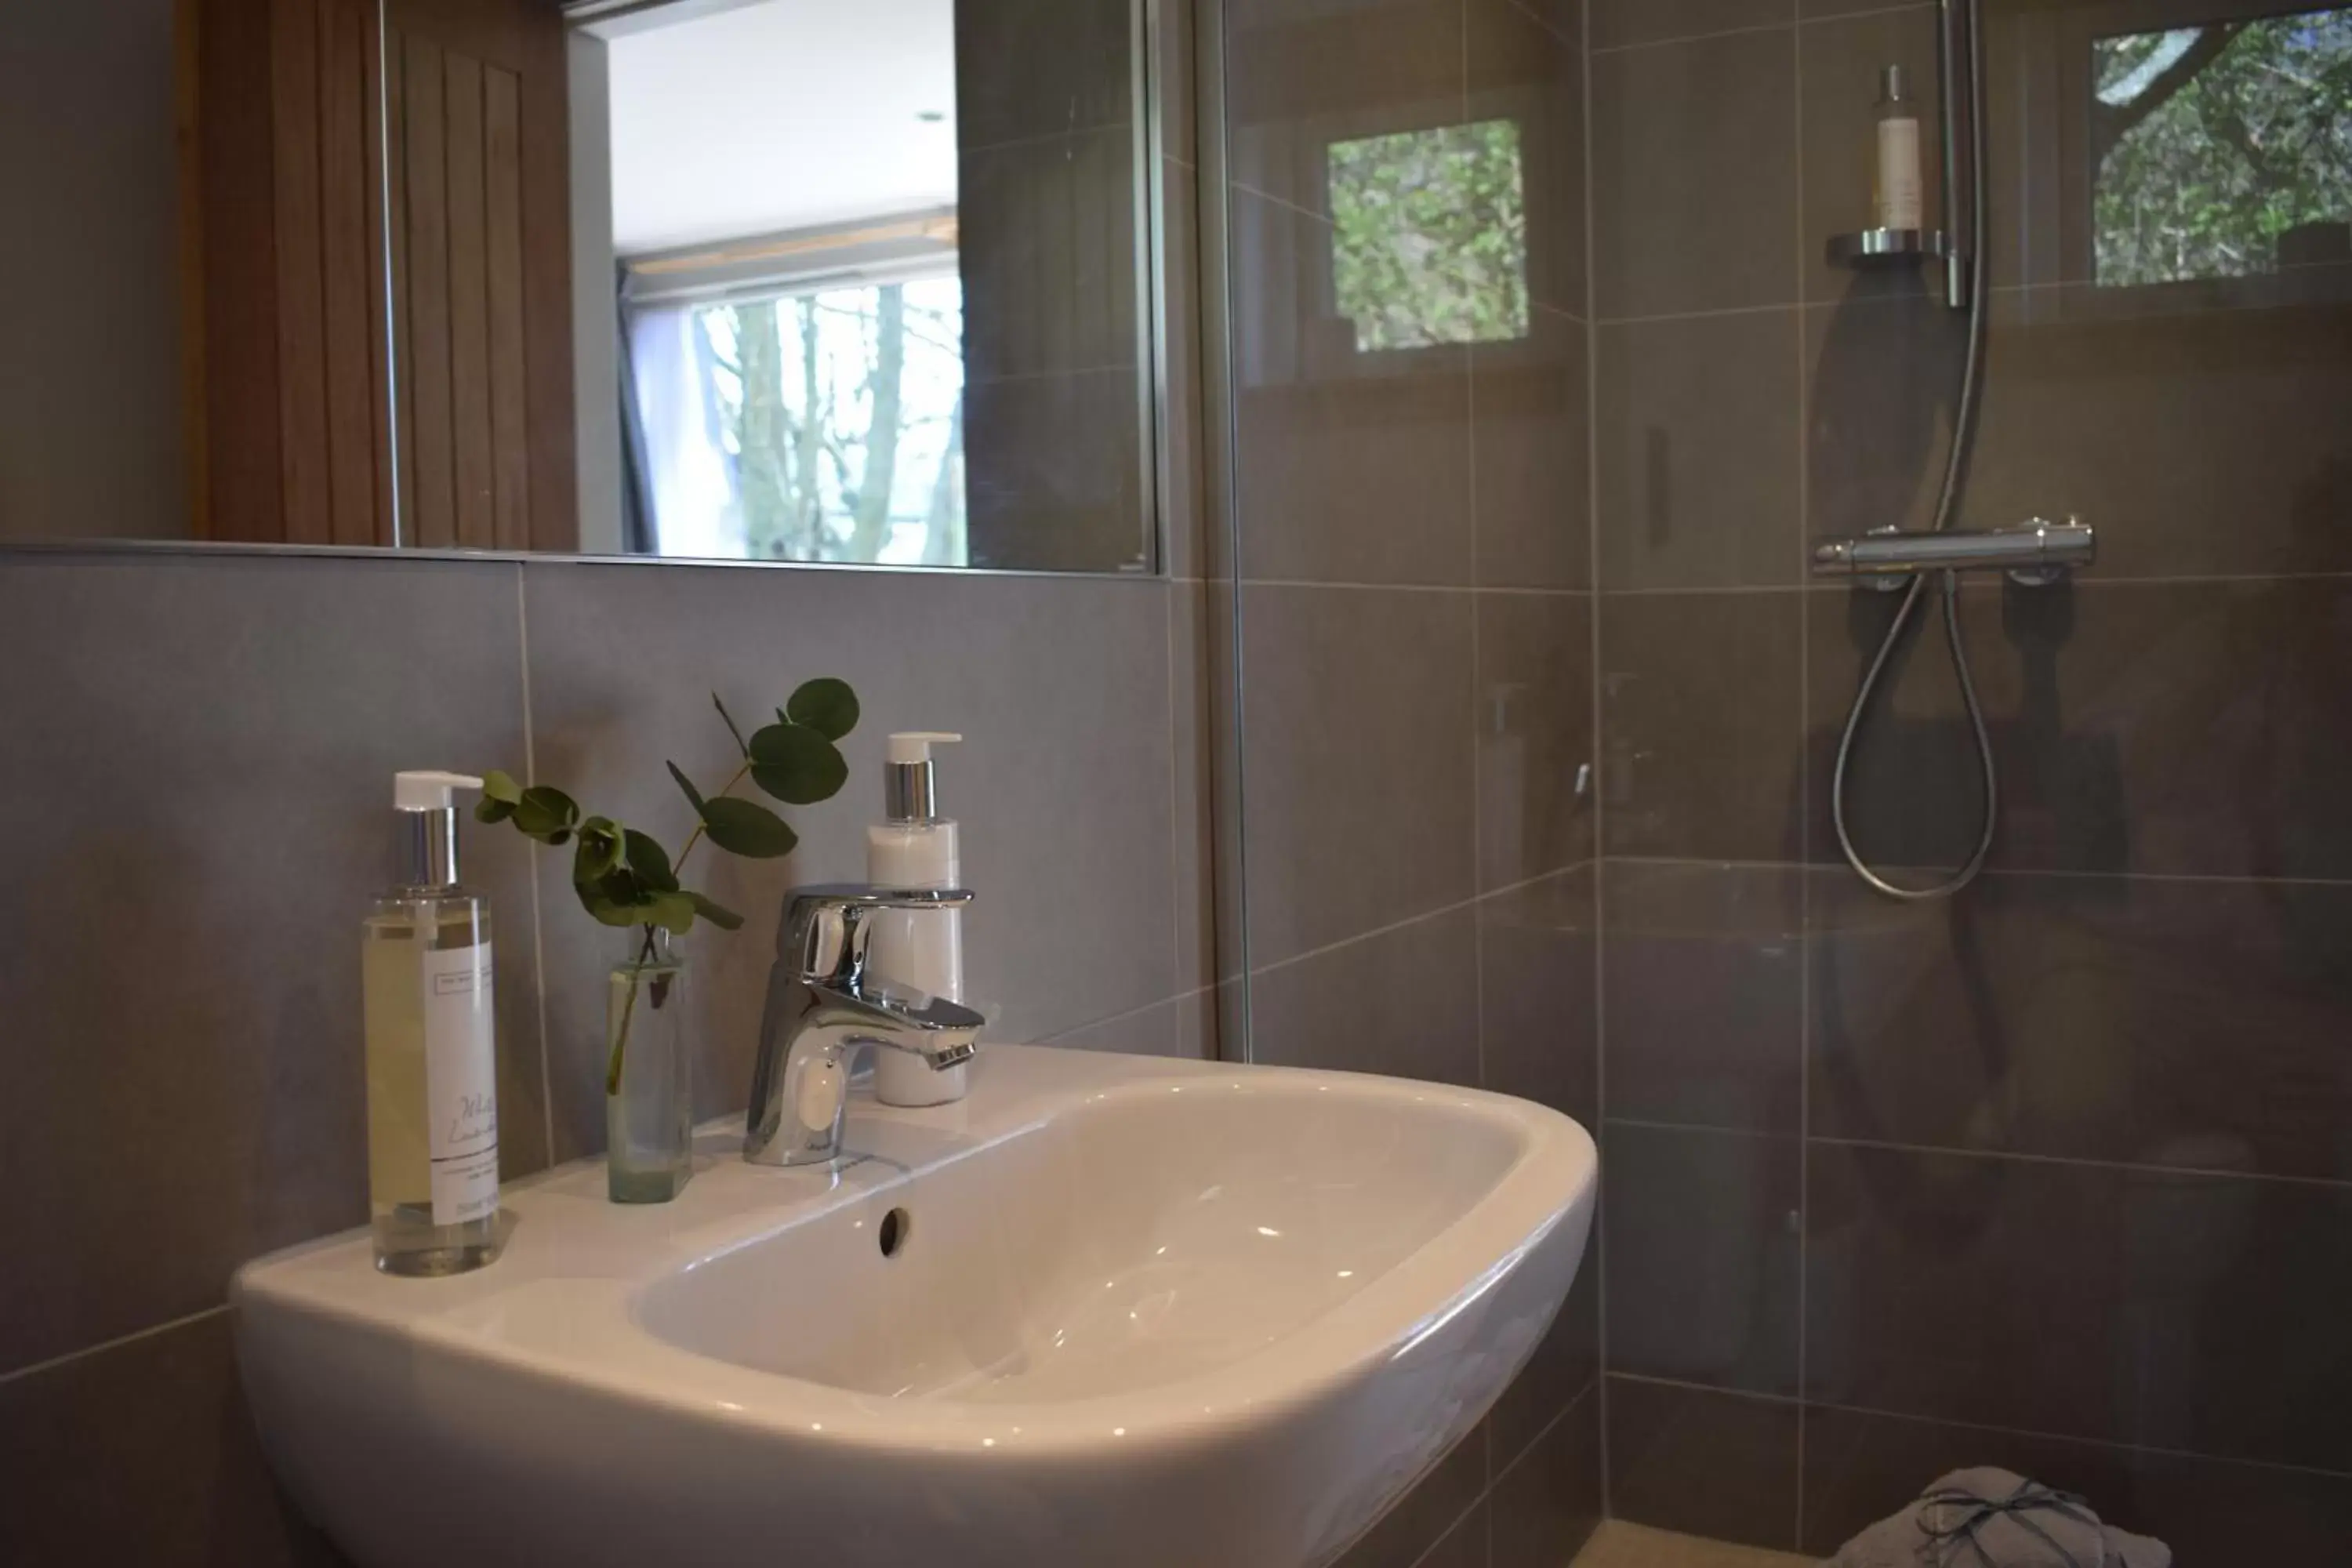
[(432, 1058), (915, 847)]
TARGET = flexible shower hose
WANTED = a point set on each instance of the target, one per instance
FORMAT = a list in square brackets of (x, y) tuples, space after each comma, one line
[(1970, 68)]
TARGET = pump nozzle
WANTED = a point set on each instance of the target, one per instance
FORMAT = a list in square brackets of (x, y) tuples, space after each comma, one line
[(909, 792), (427, 789)]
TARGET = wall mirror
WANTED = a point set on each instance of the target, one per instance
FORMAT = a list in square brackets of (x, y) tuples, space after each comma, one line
[(863, 281)]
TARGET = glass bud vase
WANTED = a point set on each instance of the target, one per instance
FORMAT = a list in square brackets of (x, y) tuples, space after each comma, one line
[(648, 1084)]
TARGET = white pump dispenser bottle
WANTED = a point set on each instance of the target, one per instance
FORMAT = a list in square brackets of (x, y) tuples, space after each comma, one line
[(915, 846)]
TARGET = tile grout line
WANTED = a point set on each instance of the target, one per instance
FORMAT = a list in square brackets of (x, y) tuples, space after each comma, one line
[(1176, 810), (1599, 1243), (2019, 1156), (1804, 792), (538, 921), (1762, 1396), (50, 1363), (1191, 995), (1414, 919), (1477, 580), (1793, 24), (2010, 873), (2074, 1162), (1353, 586)]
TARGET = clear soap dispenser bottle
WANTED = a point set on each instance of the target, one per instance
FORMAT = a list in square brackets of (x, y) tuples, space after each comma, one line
[(915, 846), (432, 1058)]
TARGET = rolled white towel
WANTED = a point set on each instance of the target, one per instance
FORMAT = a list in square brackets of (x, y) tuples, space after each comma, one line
[(1990, 1518)]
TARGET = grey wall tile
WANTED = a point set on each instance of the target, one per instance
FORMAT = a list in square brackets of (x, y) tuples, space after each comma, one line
[(1616, 23), (1299, 77), (1696, 436), (201, 756), (1720, 1465), (1168, 1028), (1200, 711), (1521, 67), (145, 1453), (2134, 420), (2195, 728), (1882, 375), (2200, 442), (1549, 1501), (1063, 786), (1693, 143), (1561, 1371), (1534, 735), (1860, 1468), (1703, 1232), (2188, 1024), (1358, 780), (1417, 1521), (2170, 1311), (1046, 247), (1463, 1546), (1699, 712), (1838, 66), (1009, 88), (1054, 474), (1350, 467), (1703, 977), (1367, 1005), (1531, 407), (1536, 976)]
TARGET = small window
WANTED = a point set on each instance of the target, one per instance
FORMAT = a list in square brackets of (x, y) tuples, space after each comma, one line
[(1429, 237), (2222, 151)]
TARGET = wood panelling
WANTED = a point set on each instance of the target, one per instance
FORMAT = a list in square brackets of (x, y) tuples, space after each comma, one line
[(482, 271), (503, 156), (350, 260), (431, 513), (380, 243)]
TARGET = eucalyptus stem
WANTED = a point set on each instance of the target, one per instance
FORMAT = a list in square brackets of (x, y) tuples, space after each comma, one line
[(645, 955)]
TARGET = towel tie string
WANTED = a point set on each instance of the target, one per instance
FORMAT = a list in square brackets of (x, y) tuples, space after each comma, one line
[(1975, 1511)]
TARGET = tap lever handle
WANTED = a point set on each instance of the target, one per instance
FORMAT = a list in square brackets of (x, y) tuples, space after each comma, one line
[(823, 930)]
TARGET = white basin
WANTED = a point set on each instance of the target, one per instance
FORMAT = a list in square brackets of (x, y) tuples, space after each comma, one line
[(1142, 1312)]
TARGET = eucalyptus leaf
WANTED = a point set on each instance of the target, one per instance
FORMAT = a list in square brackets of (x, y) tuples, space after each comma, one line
[(501, 795), (651, 863), (746, 827), (673, 912), (613, 914), (732, 728), (716, 913), (797, 764), (826, 705), (547, 813), (687, 785), (599, 849)]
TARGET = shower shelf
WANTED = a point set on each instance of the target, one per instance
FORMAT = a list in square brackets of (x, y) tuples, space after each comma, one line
[(1876, 247)]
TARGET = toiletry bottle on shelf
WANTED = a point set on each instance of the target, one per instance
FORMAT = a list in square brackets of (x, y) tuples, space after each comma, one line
[(432, 1059), (1898, 199), (915, 847)]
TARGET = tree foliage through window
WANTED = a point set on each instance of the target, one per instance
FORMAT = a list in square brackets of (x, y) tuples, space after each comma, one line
[(2212, 143), (1430, 235)]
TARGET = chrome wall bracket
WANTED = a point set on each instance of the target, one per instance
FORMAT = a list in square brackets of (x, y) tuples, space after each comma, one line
[(1885, 559)]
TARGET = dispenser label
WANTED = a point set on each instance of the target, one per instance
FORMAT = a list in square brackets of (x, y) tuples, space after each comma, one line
[(461, 1083)]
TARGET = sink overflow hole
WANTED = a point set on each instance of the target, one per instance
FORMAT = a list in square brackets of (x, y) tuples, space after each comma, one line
[(894, 1226)]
